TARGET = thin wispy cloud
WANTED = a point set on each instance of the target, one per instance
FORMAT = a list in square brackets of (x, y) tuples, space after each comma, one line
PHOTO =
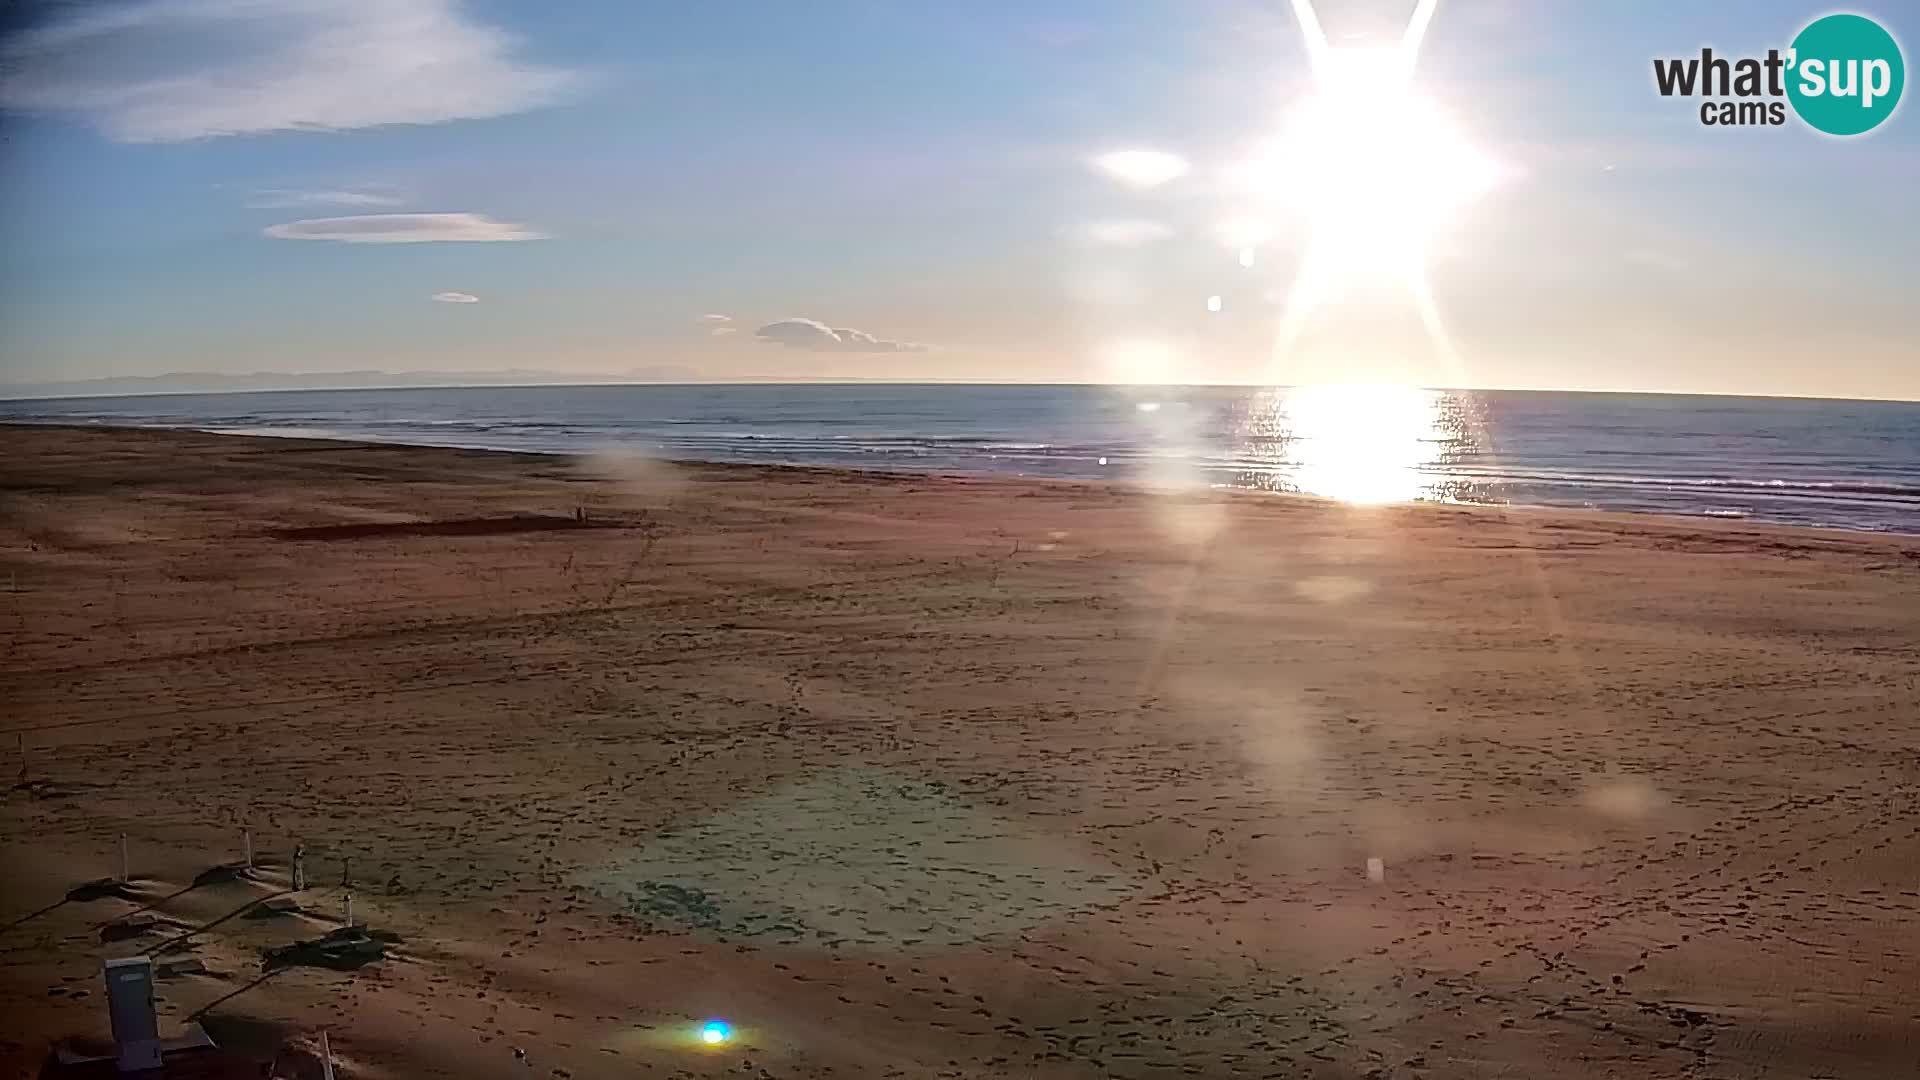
[(723, 331), (817, 336), (456, 298), (403, 229), (177, 70), (274, 199), (717, 318)]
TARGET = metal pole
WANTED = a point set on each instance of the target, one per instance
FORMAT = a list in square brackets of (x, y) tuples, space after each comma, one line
[(326, 1056), (246, 846), (124, 874)]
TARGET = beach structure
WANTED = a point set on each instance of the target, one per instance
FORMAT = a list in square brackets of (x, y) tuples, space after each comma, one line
[(137, 1047)]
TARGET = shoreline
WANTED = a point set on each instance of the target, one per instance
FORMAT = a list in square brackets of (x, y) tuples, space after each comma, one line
[(1703, 520)]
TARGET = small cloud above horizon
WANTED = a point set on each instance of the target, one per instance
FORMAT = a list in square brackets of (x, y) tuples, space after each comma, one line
[(456, 298), (717, 318), (181, 70), (403, 229), (723, 331), (280, 199), (814, 335)]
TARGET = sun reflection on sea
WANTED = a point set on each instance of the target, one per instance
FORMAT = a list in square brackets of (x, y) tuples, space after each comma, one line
[(1361, 444)]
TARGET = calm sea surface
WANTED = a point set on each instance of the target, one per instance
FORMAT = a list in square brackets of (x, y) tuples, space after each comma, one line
[(1849, 464)]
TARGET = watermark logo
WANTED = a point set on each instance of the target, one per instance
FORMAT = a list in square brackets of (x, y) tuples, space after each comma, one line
[(1842, 75), (1850, 74)]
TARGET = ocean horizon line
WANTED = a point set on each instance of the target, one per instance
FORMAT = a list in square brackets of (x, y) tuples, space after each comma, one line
[(1837, 462), (7, 395)]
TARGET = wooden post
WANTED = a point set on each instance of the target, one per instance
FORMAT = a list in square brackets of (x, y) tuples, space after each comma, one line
[(349, 904), (299, 867), (124, 874), (246, 847)]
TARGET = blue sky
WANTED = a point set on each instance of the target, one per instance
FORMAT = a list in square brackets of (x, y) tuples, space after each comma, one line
[(907, 190)]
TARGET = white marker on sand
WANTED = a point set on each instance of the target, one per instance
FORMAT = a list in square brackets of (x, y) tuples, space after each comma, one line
[(1376, 870)]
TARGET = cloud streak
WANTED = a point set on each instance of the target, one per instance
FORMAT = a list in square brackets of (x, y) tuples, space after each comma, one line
[(285, 200), (456, 298), (403, 229), (816, 336), (178, 70)]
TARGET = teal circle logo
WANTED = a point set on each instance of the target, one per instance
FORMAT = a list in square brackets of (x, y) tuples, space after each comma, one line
[(1846, 74)]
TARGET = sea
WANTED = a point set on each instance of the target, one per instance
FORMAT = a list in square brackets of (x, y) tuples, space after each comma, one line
[(1837, 464)]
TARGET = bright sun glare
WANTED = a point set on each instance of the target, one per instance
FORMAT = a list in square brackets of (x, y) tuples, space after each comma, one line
[(1361, 444), (1370, 167), (1367, 169)]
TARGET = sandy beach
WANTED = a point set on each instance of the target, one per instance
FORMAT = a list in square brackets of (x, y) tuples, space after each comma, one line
[(936, 776)]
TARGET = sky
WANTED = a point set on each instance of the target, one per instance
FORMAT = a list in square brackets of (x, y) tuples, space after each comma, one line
[(875, 189)]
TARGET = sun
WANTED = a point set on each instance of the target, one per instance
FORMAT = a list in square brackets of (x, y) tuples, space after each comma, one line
[(1369, 166), (1359, 176), (1370, 169)]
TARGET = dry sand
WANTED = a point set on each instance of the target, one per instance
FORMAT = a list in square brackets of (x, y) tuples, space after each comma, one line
[(919, 776)]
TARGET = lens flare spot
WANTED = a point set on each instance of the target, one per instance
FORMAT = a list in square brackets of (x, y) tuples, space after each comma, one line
[(1332, 588), (1141, 168), (716, 1032), (1135, 362), (1625, 798)]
